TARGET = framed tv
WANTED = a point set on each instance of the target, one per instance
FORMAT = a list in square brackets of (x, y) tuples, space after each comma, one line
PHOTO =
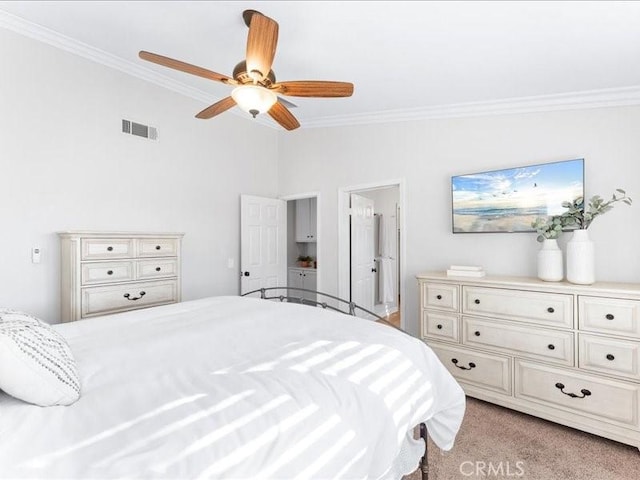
[(509, 200)]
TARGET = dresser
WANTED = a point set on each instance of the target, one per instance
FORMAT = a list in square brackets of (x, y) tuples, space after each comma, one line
[(563, 352), (109, 272)]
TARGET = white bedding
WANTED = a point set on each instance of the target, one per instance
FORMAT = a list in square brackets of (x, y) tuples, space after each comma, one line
[(233, 387)]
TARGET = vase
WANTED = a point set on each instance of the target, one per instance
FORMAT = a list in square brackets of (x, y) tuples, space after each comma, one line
[(580, 258), (550, 261)]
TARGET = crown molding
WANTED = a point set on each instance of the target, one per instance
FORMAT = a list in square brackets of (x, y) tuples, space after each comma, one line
[(612, 97), (55, 39)]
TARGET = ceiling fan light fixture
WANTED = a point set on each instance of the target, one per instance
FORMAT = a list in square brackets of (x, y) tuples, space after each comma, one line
[(254, 99)]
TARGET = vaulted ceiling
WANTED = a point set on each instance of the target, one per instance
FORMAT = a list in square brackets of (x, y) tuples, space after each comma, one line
[(406, 59)]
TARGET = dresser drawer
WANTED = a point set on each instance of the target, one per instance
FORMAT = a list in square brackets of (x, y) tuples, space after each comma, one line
[(442, 326), (485, 370), (517, 305), (157, 268), (608, 355), (113, 298), (609, 315), (157, 247), (106, 272), (550, 345), (441, 296), (578, 393), (100, 248)]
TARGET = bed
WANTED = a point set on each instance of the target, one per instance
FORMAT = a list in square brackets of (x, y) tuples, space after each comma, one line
[(236, 388)]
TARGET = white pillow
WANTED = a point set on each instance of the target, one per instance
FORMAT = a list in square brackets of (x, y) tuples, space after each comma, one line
[(36, 363)]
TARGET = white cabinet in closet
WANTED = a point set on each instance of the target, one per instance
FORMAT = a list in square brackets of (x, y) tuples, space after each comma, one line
[(306, 216), (303, 278), (566, 353), (108, 272)]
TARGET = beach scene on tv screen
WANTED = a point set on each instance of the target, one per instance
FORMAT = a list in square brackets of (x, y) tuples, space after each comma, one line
[(509, 200)]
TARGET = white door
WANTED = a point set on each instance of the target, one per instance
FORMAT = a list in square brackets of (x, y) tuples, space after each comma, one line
[(263, 243), (362, 252)]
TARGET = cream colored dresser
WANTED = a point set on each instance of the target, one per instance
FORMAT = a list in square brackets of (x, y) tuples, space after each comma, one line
[(566, 353), (108, 272)]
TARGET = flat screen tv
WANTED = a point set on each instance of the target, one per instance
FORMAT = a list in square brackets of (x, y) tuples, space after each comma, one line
[(509, 200)]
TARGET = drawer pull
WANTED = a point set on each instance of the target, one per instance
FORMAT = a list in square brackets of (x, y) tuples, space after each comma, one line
[(439, 326), (109, 272), (158, 269), (476, 333), (157, 247), (551, 346), (439, 297), (610, 357), (477, 301), (584, 391), (109, 249), (129, 297), (609, 316), (550, 310), (471, 364)]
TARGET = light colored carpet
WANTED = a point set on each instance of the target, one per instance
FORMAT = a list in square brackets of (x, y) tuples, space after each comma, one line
[(494, 439)]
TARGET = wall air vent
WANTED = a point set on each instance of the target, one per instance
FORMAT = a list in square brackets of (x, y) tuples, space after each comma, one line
[(139, 130)]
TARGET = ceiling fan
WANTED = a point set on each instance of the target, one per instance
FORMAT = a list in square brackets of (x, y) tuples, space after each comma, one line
[(256, 90)]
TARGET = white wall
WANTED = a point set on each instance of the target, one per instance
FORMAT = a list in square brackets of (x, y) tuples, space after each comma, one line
[(65, 165), (427, 153)]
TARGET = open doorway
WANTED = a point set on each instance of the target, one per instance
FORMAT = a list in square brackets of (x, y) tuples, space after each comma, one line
[(370, 248), (302, 243)]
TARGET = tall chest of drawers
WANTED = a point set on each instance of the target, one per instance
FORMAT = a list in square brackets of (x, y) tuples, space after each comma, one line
[(566, 353), (109, 272)]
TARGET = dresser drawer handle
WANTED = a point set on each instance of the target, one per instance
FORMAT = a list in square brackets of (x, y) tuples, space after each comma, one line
[(157, 247), (476, 333), (584, 391), (550, 310), (477, 301), (608, 316), (551, 346), (109, 249), (439, 326), (158, 269), (610, 357), (109, 272), (439, 297), (471, 365), (129, 297)]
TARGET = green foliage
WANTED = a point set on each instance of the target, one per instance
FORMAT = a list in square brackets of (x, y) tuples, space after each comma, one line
[(577, 216), (548, 228)]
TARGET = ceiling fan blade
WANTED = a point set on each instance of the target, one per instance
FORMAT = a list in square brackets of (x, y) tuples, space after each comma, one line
[(261, 44), (185, 67), (283, 116), (314, 88), (217, 108)]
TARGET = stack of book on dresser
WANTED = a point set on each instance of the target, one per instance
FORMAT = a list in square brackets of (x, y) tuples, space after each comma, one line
[(465, 271)]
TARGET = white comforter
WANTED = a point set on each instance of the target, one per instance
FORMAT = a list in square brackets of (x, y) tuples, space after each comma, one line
[(232, 387)]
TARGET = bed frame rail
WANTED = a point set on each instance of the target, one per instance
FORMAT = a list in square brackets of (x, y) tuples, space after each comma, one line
[(296, 295)]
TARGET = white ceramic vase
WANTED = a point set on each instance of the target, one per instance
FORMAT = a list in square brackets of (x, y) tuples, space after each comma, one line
[(580, 258), (550, 267)]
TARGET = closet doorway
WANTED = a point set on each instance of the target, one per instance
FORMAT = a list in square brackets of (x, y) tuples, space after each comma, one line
[(370, 248), (303, 237)]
